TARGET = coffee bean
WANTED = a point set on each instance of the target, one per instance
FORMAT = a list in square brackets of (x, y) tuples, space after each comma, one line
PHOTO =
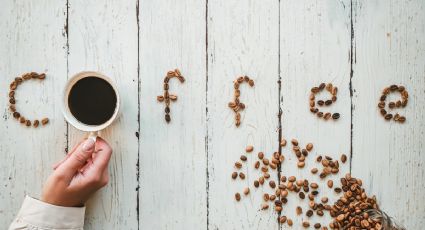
[(322, 86), (330, 183), (314, 170), (294, 142), (301, 195), (167, 118), (335, 116), (306, 224), (319, 114), (298, 210), (272, 184), (251, 83), (383, 112), (28, 123), (257, 165), (314, 185), (242, 175), (283, 142), (343, 158), (324, 200), (13, 85), (328, 102), (16, 115), (249, 148), (317, 225), (246, 191), (167, 109), (282, 219), (22, 119), (243, 158), (289, 221), (264, 206), (309, 147), (388, 116), (173, 97), (309, 213), (337, 190), (266, 197), (36, 123), (12, 93), (12, 101), (383, 97), (160, 98), (266, 175), (391, 105), (301, 164), (234, 175), (42, 76), (12, 108), (327, 116), (393, 87), (237, 196), (238, 165)]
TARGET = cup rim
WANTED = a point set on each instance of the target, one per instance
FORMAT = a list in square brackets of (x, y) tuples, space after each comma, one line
[(67, 112)]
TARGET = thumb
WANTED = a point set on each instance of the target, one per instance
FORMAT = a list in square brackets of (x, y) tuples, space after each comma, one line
[(78, 159)]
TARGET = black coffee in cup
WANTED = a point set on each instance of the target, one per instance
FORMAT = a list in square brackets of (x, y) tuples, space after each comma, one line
[(92, 100)]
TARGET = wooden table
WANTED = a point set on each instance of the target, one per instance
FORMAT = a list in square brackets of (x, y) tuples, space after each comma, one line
[(177, 175)]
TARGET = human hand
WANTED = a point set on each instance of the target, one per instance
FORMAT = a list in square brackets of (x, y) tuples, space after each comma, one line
[(80, 174)]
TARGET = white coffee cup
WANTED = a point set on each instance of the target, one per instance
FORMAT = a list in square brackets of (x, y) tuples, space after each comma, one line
[(69, 117)]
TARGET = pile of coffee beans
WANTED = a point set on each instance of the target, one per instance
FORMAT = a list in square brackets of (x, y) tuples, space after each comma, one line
[(333, 90), (348, 212), (167, 97), (392, 105), (236, 105), (12, 101), (351, 210)]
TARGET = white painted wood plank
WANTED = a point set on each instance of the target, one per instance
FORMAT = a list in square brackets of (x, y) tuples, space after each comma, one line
[(315, 48), (173, 156), (243, 39), (30, 42), (390, 49), (103, 37)]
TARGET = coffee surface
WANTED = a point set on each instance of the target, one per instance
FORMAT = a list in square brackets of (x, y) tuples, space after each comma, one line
[(92, 101)]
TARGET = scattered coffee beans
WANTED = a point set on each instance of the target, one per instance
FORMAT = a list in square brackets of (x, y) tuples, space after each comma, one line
[(392, 105), (167, 97), (236, 105), (333, 91), (348, 212), (12, 100)]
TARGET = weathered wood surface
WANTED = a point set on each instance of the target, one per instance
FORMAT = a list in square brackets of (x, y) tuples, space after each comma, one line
[(173, 179), (243, 39), (177, 175), (387, 155), (31, 39), (315, 48)]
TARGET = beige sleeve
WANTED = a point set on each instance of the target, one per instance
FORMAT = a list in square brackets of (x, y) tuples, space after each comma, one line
[(38, 215)]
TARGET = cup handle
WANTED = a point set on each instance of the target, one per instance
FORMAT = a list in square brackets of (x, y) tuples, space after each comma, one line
[(93, 135)]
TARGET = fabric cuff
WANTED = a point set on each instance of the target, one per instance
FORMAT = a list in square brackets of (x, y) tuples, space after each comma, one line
[(45, 215)]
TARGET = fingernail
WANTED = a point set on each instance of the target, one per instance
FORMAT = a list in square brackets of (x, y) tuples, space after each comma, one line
[(88, 145)]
